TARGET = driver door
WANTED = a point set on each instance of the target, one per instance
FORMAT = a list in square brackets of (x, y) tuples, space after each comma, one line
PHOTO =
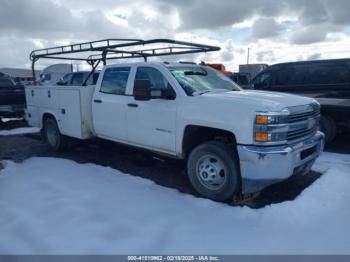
[(151, 123)]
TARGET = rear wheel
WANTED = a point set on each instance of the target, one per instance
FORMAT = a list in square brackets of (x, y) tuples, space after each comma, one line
[(52, 135), (213, 171), (328, 127)]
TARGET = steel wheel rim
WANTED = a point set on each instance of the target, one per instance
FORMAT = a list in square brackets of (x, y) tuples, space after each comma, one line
[(211, 172), (51, 135)]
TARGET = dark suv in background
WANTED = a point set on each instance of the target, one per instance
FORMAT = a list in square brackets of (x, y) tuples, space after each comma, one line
[(328, 81), (12, 98)]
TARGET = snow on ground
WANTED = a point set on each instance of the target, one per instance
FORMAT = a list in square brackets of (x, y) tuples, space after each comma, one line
[(11, 119), (56, 206), (19, 131)]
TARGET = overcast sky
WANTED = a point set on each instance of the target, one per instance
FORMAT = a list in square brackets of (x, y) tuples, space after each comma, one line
[(275, 31)]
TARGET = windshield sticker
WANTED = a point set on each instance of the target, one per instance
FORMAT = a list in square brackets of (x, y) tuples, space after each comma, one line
[(178, 73)]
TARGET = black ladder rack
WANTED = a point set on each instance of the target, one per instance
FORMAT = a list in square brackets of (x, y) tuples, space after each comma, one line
[(108, 49)]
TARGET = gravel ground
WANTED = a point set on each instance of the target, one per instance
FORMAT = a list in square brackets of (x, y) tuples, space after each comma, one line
[(165, 172)]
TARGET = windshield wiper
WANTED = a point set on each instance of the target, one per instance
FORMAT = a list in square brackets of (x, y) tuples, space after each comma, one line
[(195, 73), (211, 91)]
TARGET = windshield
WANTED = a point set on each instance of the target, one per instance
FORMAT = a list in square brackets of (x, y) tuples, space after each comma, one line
[(197, 79)]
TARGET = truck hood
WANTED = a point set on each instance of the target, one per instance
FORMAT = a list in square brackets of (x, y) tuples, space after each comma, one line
[(272, 101)]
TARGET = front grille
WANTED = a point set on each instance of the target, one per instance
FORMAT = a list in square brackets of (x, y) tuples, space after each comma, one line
[(303, 115), (299, 133)]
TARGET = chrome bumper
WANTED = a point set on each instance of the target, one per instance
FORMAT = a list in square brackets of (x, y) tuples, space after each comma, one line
[(262, 166)]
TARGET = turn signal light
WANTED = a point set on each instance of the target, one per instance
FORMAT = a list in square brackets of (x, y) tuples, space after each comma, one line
[(261, 120), (261, 136)]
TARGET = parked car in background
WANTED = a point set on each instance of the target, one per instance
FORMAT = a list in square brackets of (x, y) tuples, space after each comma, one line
[(328, 81), (250, 71), (78, 78), (53, 73), (241, 79), (24, 80), (12, 98)]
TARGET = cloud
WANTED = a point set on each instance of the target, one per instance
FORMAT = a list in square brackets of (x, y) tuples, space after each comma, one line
[(312, 33), (25, 25), (265, 56), (314, 56), (265, 28)]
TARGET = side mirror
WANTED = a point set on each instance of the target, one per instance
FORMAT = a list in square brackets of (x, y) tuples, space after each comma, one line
[(142, 90), (62, 83)]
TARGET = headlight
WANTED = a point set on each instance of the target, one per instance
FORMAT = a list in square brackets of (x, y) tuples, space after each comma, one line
[(268, 124), (275, 118)]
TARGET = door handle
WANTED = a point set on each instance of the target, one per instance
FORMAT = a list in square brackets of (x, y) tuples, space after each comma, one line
[(133, 105), (98, 101)]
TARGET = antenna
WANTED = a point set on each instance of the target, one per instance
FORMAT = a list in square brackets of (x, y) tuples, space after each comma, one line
[(248, 55)]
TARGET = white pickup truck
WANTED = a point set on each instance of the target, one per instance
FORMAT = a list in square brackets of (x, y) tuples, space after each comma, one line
[(234, 141)]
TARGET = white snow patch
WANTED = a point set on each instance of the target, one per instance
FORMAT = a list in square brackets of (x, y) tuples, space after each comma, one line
[(11, 119), (19, 131), (56, 206)]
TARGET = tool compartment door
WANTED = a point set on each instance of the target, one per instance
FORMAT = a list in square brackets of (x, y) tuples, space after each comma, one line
[(70, 120)]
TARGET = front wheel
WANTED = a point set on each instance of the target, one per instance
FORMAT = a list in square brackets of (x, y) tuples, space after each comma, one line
[(213, 170), (53, 137), (329, 128)]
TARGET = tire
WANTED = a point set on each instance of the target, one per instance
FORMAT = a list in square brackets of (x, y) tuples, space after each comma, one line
[(53, 136), (329, 128), (212, 168)]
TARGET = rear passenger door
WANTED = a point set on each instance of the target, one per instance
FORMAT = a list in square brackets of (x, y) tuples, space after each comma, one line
[(319, 80), (110, 103), (329, 80)]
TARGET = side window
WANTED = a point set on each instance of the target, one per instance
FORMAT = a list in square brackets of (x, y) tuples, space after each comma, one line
[(45, 77), (67, 78), (319, 73), (262, 81), (5, 83), (77, 79), (291, 75), (285, 76), (114, 80), (158, 81), (340, 74)]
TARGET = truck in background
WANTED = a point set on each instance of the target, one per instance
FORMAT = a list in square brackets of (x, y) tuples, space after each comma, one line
[(53, 73), (221, 68), (246, 73)]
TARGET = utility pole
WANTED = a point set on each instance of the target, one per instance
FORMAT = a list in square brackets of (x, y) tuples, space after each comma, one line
[(248, 55)]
